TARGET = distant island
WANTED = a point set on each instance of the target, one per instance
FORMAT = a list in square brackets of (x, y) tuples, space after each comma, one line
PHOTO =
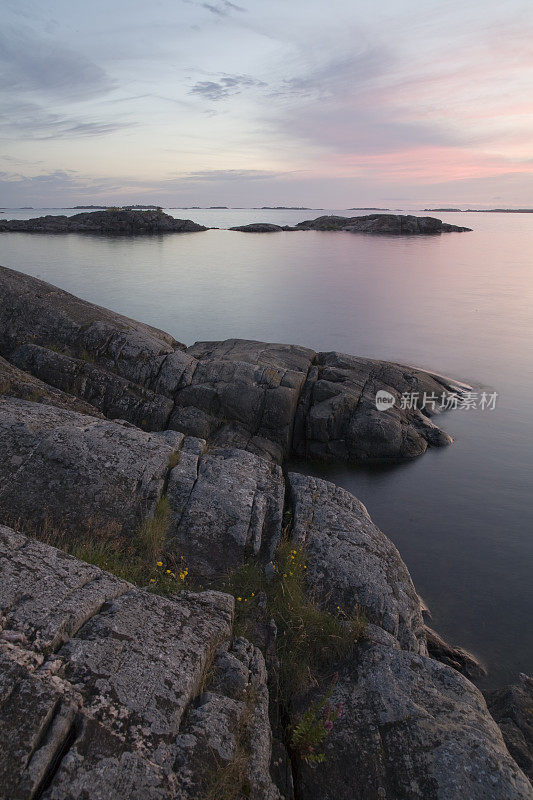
[(483, 210)]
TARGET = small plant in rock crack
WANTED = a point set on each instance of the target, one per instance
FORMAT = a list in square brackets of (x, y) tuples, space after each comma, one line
[(315, 725)]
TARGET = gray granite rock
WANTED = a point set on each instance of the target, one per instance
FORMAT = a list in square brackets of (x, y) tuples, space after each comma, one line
[(337, 417), (512, 708), (76, 471), (351, 563), (14, 382), (32, 311), (115, 396), (271, 399), (244, 393), (84, 475), (226, 505), (104, 688), (456, 657), (111, 222), (411, 729)]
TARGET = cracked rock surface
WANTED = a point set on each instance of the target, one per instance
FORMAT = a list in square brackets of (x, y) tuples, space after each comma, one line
[(274, 400), (108, 691), (411, 728), (103, 687)]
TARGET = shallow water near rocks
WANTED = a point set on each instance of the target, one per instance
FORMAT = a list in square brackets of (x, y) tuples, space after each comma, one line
[(460, 304)]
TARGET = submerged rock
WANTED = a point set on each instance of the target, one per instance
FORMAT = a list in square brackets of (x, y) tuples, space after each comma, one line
[(110, 222)]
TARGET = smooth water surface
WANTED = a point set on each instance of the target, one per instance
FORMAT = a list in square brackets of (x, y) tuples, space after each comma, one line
[(459, 304)]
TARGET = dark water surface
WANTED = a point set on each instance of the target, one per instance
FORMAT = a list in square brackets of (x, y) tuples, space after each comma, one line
[(459, 304)]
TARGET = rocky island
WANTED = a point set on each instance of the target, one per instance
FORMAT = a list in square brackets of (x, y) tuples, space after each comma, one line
[(132, 222), (181, 617), (391, 224), (110, 221)]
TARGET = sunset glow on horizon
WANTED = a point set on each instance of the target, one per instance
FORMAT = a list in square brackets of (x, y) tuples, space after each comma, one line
[(245, 103)]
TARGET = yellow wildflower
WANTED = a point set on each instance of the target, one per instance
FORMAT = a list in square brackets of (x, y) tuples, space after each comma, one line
[(159, 563)]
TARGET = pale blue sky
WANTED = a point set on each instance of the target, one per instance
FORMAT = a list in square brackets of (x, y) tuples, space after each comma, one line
[(332, 104)]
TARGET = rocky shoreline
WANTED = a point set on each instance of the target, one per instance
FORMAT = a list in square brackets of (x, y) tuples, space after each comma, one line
[(111, 691), (118, 222)]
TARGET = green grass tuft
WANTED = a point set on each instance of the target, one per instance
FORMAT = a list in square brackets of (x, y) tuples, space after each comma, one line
[(144, 559), (310, 638)]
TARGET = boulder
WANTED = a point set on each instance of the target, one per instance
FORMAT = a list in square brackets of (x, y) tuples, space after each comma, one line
[(110, 692), (411, 729)]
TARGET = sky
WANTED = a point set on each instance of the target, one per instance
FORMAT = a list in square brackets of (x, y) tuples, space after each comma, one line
[(337, 104)]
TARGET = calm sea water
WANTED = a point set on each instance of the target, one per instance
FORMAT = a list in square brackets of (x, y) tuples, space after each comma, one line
[(458, 304)]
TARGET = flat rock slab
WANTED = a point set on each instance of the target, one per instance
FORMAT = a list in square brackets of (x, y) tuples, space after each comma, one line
[(104, 689), (351, 563), (411, 728)]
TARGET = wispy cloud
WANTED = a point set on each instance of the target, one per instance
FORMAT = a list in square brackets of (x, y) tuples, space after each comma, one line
[(40, 76), (226, 86), (222, 8), (231, 175), (30, 121), (30, 62)]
